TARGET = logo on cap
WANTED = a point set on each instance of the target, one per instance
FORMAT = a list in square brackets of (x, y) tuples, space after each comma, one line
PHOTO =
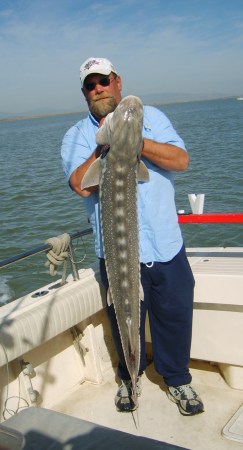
[(91, 63)]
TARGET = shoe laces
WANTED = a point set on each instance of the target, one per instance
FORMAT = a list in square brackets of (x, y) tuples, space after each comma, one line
[(187, 392)]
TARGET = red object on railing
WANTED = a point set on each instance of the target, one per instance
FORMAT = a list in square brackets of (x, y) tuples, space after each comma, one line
[(211, 218)]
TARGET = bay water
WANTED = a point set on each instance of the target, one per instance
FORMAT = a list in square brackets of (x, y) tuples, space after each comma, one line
[(36, 202)]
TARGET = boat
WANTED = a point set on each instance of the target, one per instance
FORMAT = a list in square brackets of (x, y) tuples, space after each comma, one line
[(58, 363), (239, 98)]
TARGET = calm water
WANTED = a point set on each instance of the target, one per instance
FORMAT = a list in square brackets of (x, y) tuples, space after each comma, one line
[(36, 202)]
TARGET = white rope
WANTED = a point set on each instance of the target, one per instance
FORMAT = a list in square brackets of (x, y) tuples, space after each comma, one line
[(58, 254), (6, 410)]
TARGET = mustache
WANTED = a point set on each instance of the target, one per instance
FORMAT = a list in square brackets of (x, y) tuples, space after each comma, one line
[(98, 97)]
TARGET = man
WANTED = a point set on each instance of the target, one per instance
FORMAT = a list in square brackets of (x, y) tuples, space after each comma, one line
[(166, 276)]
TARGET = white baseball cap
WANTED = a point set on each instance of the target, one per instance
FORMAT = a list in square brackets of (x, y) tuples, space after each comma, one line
[(95, 65)]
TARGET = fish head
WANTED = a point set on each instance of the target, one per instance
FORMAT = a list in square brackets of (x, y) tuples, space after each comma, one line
[(122, 129)]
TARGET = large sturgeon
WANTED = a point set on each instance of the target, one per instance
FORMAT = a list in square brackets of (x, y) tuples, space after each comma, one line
[(117, 173)]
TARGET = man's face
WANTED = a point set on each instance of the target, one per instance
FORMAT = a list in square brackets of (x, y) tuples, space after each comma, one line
[(102, 93)]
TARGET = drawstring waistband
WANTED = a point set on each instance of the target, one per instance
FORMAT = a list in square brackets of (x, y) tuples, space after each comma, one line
[(149, 264)]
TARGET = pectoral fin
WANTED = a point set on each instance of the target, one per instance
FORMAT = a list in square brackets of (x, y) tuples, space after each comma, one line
[(92, 176), (143, 173)]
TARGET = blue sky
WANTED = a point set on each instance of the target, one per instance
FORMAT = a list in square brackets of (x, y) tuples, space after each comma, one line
[(158, 46)]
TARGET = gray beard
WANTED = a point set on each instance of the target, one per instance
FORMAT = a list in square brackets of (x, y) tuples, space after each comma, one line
[(102, 107)]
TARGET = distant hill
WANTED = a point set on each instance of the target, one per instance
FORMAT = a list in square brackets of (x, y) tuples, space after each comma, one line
[(23, 116), (39, 112), (179, 98), (152, 99)]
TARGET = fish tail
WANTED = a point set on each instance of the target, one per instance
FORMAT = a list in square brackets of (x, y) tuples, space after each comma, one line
[(133, 360), (134, 390), (135, 400)]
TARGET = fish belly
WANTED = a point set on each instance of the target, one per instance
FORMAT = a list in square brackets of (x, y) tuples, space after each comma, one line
[(121, 248), (119, 223)]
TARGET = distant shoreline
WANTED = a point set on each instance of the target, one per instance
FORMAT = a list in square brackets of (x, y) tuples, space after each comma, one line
[(161, 102), (38, 116)]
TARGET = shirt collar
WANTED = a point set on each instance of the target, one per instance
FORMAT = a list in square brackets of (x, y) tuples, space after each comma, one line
[(93, 120)]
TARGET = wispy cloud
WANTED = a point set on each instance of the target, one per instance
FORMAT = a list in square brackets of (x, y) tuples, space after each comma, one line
[(158, 46)]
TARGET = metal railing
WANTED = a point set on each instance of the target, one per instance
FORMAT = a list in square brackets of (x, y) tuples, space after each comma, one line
[(189, 219), (45, 247)]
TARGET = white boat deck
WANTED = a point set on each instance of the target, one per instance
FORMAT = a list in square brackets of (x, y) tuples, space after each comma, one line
[(158, 417), (51, 332)]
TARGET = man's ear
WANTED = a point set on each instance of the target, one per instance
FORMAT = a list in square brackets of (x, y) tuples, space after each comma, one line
[(83, 91), (119, 82)]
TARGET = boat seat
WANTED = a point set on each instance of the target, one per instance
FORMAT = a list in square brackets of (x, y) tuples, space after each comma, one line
[(34, 319), (50, 430)]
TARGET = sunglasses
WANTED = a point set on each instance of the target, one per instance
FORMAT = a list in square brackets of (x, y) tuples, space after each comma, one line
[(103, 82)]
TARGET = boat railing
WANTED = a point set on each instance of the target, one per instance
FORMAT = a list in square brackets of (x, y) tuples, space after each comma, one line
[(212, 218), (182, 219), (186, 218), (217, 217), (45, 248)]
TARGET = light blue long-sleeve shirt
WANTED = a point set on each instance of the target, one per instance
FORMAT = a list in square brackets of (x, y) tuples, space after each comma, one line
[(159, 232)]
